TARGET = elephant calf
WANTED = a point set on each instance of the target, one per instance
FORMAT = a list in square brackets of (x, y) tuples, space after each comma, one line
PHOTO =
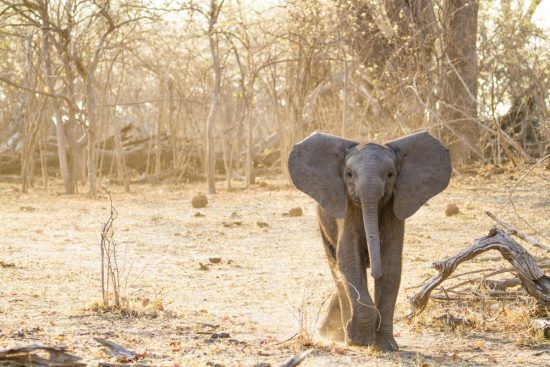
[(365, 192)]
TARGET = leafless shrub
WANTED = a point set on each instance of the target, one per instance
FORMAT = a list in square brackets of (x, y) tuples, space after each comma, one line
[(110, 270), (308, 314)]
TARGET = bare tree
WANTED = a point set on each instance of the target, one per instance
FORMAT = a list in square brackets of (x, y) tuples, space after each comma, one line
[(88, 73), (153, 99), (68, 183), (213, 15), (459, 77)]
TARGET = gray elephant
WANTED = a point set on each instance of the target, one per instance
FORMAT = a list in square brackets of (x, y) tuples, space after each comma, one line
[(365, 192)]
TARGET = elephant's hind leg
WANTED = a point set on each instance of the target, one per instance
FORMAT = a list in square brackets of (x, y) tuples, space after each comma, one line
[(331, 327)]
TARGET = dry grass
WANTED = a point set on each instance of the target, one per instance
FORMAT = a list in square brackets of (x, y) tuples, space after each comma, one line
[(266, 277)]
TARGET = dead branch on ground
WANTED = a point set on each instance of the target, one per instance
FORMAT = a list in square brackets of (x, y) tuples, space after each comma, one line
[(26, 356), (530, 275), (117, 351)]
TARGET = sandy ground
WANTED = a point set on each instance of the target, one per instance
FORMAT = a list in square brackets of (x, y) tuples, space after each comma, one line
[(270, 277)]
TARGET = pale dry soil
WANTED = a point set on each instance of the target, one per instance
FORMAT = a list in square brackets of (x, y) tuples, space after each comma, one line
[(270, 280)]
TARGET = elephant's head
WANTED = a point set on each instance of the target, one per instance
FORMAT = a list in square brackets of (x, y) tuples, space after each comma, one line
[(331, 169)]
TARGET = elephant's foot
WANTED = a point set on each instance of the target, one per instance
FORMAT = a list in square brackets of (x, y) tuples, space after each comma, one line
[(386, 343), (359, 334)]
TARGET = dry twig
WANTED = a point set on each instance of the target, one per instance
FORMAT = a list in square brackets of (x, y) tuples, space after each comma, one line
[(514, 232), (516, 186)]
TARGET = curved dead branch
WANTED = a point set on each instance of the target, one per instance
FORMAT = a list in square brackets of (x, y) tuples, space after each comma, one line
[(530, 275)]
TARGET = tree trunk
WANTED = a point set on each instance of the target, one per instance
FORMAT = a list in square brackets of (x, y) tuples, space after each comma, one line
[(75, 145), (42, 138), (120, 158), (210, 153), (346, 93), (227, 147), (280, 125), (59, 126), (160, 122), (172, 125), (92, 123), (249, 170), (459, 78), (22, 117)]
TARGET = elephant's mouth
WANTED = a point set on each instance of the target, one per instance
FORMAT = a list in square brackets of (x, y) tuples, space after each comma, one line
[(355, 200)]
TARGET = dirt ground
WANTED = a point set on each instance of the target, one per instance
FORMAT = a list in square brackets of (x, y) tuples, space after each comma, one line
[(269, 285)]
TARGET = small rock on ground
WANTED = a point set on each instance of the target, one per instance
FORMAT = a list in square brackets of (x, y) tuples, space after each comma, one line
[(451, 209), (199, 201), (295, 212)]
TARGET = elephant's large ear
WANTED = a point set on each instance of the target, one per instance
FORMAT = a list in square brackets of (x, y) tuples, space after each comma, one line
[(315, 166), (424, 171)]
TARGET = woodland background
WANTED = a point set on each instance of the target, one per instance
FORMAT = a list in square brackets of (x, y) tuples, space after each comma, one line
[(189, 96), (151, 90)]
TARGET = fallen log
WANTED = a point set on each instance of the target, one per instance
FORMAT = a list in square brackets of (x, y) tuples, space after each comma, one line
[(16, 179), (135, 156), (530, 275), (26, 356)]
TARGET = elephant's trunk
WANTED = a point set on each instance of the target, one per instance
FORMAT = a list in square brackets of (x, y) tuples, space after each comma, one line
[(369, 205)]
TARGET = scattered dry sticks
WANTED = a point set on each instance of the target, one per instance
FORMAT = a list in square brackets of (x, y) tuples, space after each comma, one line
[(530, 275), (27, 356)]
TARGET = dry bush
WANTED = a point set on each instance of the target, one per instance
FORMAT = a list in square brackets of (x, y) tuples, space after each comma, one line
[(309, 313), (110, 270), (116, 274)]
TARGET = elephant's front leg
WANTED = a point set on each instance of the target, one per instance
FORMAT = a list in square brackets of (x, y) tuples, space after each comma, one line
[(351, 262), (387, 287)]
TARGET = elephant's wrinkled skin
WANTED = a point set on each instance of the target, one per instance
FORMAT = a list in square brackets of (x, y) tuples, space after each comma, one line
[(365, 192)]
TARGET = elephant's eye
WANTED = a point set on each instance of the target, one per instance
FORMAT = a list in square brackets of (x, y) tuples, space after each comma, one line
[(390, 175), (348, 173)]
